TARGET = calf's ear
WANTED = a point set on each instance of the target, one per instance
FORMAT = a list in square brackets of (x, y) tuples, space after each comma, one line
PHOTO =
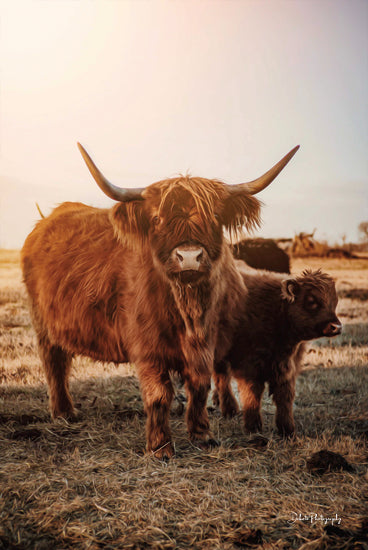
[(130, 223), (289, 289)]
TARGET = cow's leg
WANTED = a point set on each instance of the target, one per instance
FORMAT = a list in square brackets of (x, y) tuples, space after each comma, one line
[(283, 396), (157, 392), (57, 364), (250, 393), (223, 394), (197, 388)]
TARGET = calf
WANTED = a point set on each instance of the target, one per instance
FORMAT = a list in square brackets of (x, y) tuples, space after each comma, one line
[(278, 315)]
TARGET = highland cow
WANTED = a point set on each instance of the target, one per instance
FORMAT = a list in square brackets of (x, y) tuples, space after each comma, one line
[(278, 315), (262, 254), (141, 282)]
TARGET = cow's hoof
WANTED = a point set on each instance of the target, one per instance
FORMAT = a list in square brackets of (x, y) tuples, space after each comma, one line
[(69, 416), (286, 429), (163, 453), (252, 423), (253, 427), (287, 433)]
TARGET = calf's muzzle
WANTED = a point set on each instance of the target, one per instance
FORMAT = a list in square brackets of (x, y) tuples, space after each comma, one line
[(332, 329)]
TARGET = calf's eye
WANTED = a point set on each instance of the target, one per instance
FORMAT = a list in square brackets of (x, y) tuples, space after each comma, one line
[(156, 220), (311, 302)]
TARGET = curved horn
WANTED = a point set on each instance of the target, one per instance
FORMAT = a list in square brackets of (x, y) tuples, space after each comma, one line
[(117, 193), (254, 187)]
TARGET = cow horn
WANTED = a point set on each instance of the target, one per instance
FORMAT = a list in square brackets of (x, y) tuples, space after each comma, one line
[(254, 187), (120, 194)]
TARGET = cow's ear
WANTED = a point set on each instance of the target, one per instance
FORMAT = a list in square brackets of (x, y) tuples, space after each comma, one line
[(130, 223), (289, 289), (240, 210)]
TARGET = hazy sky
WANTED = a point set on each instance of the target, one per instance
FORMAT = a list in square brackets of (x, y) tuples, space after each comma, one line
[(153, 88)]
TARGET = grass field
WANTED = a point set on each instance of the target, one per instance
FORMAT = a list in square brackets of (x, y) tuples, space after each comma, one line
[(89, 485)]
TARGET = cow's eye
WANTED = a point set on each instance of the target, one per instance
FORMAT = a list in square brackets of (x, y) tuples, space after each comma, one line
[(156, 220)]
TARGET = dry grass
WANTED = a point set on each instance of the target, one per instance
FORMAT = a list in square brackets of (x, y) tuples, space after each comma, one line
[(89, 485)]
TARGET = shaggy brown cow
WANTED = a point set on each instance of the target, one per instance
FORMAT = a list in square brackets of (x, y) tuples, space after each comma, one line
[(275, 319), (142, 282), (262, 254)]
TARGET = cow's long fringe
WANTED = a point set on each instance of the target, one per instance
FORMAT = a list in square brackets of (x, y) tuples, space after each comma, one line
[(206, 193), (242, 211)]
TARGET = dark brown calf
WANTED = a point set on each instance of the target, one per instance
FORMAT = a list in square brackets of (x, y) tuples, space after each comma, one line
[(278, 315)]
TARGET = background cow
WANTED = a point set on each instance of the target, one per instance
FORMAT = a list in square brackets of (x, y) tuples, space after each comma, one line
[(262, 254), (275, 319), (142, 282)]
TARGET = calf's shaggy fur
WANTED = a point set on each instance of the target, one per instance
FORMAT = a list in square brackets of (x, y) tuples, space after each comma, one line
[(278, 315)]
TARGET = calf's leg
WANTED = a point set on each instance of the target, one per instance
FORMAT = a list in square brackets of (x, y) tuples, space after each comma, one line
[(283, 396), (250, 393), (223, 394)]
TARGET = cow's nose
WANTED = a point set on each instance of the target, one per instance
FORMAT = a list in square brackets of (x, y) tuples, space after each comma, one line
[(332, 329), (189, 258)]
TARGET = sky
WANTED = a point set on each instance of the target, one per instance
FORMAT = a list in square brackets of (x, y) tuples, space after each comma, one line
[(215, 88)]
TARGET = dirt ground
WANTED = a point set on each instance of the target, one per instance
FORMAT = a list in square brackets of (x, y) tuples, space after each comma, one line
[(90, 485)]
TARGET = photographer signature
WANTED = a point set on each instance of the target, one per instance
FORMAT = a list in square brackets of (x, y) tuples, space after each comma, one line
[(315, 518)]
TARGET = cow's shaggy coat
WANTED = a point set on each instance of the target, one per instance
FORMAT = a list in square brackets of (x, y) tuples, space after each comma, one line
[(105, 283)]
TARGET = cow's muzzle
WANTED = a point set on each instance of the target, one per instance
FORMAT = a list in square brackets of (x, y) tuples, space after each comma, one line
[(188, 258), (189, 263)]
